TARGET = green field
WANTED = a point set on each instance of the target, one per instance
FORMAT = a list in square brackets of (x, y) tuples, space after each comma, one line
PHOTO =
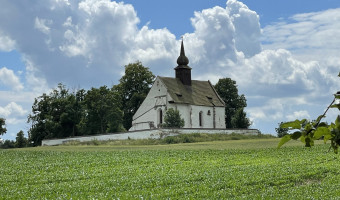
[(238, 169)]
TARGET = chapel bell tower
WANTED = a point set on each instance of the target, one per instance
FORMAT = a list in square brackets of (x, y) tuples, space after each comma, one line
[(183, 71)]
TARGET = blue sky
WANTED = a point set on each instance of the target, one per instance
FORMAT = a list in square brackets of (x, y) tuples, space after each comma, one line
[(284, 55)]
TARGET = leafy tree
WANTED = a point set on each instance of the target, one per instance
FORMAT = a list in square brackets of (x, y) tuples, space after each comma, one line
[(172, 119), (20, 141), (103, 112), (133, 88), (8, 144), (281, 131), (240, 120), (39, 119), (2, 126), (54, 116), (309, 131), (227, 90)]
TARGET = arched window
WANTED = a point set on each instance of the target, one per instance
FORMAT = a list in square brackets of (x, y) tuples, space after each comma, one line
[(160, 116), (200, 117)]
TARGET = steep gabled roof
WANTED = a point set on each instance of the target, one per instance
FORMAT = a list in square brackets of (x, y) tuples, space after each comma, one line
[(200, 93)]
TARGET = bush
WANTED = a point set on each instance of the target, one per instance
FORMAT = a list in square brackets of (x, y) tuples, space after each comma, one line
[(172, 119), (281, 131)]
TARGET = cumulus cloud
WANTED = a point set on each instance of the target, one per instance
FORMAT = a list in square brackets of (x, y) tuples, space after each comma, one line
[(13, 110), (8, 78), (88, 42), (301, 114), (306, 33), (42, 25), (6, 43)]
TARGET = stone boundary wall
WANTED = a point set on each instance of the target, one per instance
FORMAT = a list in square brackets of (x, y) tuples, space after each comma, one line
[(145, 134)]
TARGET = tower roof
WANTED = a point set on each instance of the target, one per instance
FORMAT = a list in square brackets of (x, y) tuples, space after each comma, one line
[(182, 60)]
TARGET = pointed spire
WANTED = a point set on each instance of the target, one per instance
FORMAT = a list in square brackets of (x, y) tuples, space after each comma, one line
[(183, 71), (182, 59)]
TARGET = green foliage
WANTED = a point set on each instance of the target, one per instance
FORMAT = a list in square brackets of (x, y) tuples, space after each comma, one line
[(240, 120), (308, 131), (281, 131), (172, 119), (8, 144), (133, 88), (103, 112), (227, 90), (21, 141), (249, 169), (63, 114), (2, 126)]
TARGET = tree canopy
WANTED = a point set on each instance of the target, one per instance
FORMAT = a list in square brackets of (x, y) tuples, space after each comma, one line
[(281, 131), (87, 112), (234, 104), (20, 141), (133, 88), (240, 120), (172, 119), (63, 114), (3, 129)]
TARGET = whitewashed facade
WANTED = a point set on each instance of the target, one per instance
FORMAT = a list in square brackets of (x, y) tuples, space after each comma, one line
[(197, 101), (151, 113)]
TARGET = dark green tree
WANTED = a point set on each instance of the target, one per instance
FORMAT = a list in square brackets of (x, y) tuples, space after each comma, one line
[(240, 120), (227, 90), (281, 131), (55, 115), (21, 140), (103, 113), (40, 120), (2, 126), (133, 88), (8, 144), (172, 119)]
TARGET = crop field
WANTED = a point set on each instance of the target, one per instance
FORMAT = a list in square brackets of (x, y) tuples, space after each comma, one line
[(242, 169)]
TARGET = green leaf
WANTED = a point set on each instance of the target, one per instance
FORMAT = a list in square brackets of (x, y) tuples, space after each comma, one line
[(336, 105), (292, 125), (296, 135), (284, 140), (318, 119), (321, 131), (326, 138), (337, 122), (303, 138), (323, 124)]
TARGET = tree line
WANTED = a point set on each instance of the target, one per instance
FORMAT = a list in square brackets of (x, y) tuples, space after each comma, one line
[(64, 113)]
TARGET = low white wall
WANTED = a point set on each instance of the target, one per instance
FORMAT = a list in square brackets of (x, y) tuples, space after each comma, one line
[(145, 134)]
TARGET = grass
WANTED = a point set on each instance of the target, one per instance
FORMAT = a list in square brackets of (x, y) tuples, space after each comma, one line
[(234, 169)]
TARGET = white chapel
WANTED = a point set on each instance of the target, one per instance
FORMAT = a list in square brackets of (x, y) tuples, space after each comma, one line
[(197, 101)]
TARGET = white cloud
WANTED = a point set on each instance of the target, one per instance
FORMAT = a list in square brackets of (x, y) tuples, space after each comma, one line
[(301, 114), (87, 43), (12, 110), (307, 34), (42, 25), (8, 78), (6, 43)]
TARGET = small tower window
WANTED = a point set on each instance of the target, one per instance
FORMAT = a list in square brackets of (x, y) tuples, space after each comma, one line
[(209, 112)]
